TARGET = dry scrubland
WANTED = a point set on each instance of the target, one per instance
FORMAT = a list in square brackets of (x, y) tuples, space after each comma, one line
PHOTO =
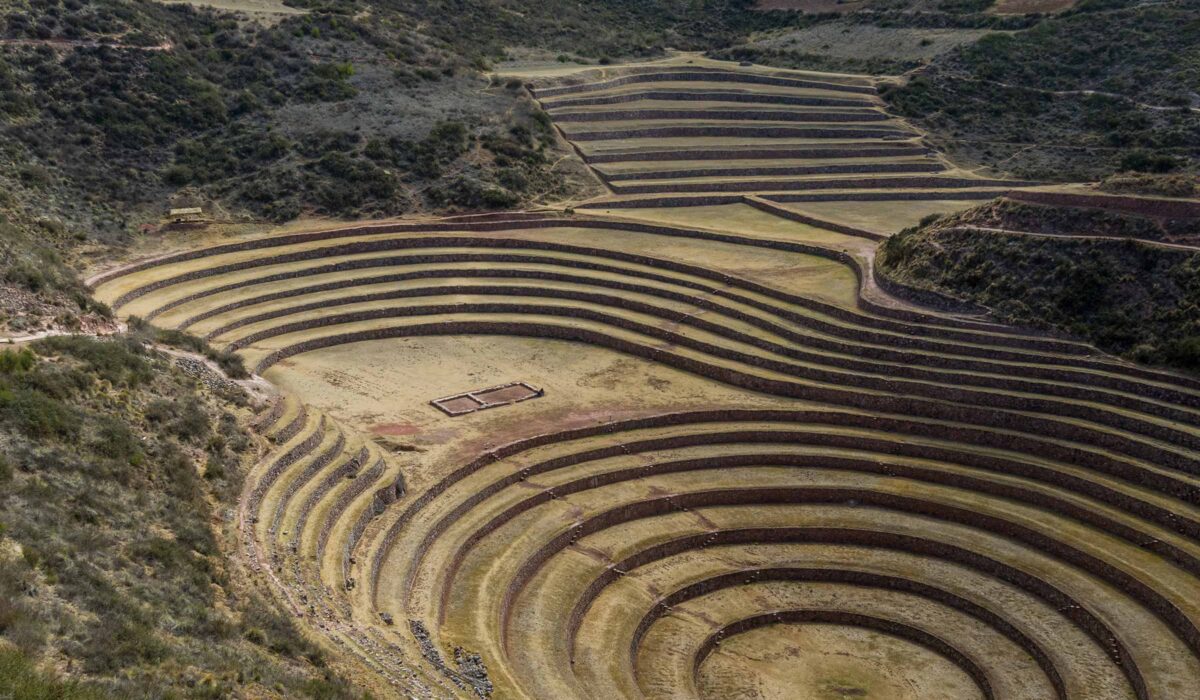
[(754, 473)]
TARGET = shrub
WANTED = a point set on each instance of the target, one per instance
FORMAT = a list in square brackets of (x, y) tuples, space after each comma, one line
[(121, 361), (17, 361), (159, 411), (497, 198), (1143, 162), (191, 422), (39, 416), (232, 364), (1184, 352), (115, 441)]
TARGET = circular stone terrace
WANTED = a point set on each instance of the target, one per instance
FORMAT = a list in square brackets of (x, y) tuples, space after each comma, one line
[(717, 460)]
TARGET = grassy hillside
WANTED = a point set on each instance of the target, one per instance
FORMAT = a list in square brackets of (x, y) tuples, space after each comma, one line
[(1127, 296), (117, 471), (1109, 86)]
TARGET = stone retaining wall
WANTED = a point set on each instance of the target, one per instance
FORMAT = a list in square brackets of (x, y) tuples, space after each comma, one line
[(1141, 206), (872, 168), (764, 132), (713, 96), (893, 628), (849, 362), (783, 213), (900, 182), (743, 115), (323, 460), (347, 470), (338, 509), (386, 244), (649, 508), (776, 153), (693, 75)]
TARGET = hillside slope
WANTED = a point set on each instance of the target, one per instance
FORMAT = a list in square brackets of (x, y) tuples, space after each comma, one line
[(111, 110), (117, 466), (1099, 275), (1111, 85)]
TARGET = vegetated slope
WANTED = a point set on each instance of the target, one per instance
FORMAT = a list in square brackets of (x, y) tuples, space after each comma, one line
[(486, 28), (107, 108), (876, 36), (37, 287), (880, 41), (1107, 86), (1131, 297), (116, 471)]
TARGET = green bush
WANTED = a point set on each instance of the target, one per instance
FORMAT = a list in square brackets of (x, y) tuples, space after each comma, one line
[(17, 361), (191, 421), (1080, 95), (1184, 352), (120, 361), (116, 441), (38, 416), (1144, 162)]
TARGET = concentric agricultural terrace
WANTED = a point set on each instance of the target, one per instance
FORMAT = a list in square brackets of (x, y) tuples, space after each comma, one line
[(752, 472)]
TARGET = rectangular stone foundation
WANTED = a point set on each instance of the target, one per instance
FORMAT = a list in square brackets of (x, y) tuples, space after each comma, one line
[(483, 399)]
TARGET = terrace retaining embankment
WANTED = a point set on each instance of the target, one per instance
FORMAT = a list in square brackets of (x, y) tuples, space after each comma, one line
[(706, 76), (939, 327), (767, 171), (551, 105), (902, 150), (759, 132), (747, 115), (899, 182)]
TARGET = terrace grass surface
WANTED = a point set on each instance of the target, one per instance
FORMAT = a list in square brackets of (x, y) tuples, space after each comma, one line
[(830, 662), (881, 217), (684, 164), (358, 384)]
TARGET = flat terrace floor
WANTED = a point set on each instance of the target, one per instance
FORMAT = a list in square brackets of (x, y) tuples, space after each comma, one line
[(583, 385)]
